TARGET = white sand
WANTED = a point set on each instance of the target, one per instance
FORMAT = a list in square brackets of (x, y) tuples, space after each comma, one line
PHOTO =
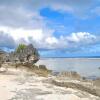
[(22, 86), (60, 97)]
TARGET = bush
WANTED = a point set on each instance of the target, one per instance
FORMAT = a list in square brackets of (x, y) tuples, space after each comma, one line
[(20, 48)]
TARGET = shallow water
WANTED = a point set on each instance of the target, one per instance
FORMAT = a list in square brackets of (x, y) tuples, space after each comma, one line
[(88, 67)]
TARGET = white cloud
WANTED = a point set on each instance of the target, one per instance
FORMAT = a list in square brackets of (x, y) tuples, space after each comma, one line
[(21, 21), (18, 33), (40, 38), (45, 39), (16, 14), (51, 40), (25, 13), (81, 37), (6, 41)]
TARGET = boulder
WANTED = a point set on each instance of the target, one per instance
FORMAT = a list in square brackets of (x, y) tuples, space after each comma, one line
[(71, 74), (35, 67), (43, 67)]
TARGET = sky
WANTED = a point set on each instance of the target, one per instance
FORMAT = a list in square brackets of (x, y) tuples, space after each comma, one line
[(57, 28)]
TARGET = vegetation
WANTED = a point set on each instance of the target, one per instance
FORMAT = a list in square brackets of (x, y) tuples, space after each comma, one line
[(20, 48)]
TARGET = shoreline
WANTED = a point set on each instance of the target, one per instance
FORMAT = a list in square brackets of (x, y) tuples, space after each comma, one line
[(84, 77), (87, 67), (70, 57), (31, 86)]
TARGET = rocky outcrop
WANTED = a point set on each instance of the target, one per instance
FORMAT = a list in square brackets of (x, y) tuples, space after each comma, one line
[(78, 86), (43, 67), (2, 56), (28, 54), (72, 74)]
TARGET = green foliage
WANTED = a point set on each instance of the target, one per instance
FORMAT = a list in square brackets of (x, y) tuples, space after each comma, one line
[(20, 48)]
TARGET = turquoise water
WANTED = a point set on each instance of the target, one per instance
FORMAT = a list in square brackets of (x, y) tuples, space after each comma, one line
[(88, 67)]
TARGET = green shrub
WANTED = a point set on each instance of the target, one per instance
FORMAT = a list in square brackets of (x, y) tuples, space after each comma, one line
[(20, 48)]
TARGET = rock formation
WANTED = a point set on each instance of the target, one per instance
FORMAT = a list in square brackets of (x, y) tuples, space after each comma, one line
[(43, 67), (28, 54), (71, 74), (2, 55)]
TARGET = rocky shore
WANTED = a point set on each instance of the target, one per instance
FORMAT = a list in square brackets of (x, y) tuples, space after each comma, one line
[(24, 84), (22, 79)]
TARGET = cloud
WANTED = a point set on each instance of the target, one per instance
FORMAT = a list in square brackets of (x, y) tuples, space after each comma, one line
[(21, 22), (71, 6), (51, 40), (81, 37), (42, 39), (6, 41), (16, 14), (25, 13), (66, 5), (20, 35)]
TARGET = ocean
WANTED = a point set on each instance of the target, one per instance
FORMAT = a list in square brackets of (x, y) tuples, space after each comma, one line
[(87, 67)]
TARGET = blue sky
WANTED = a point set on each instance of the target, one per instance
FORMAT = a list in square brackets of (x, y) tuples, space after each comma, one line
[(58, 28)]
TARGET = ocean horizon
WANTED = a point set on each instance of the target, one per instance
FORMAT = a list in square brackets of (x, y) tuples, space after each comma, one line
[(86, 67)]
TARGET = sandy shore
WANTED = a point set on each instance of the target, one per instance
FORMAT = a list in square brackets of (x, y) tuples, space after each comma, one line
[(22, 85)]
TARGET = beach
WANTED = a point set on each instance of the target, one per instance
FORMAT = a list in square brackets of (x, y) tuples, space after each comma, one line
[(17, 84)]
